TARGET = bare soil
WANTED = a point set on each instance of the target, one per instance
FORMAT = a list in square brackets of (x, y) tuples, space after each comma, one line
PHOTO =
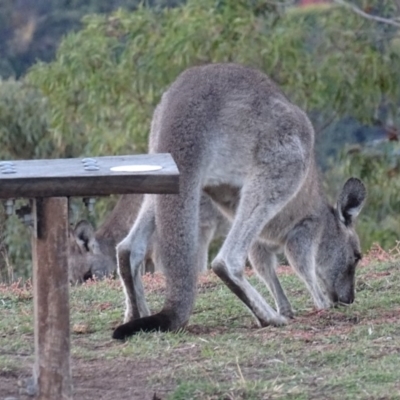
[(115, 379)]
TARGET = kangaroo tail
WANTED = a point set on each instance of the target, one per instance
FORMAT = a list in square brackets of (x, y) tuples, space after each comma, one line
[(157, 322)]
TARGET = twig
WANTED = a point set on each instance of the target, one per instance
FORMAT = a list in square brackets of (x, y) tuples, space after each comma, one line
[(366, 15), (240, 371)]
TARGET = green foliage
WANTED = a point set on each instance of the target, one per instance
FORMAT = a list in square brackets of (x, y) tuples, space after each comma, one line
[(108, 77), (24, 131), (25, 134), (98, 95)]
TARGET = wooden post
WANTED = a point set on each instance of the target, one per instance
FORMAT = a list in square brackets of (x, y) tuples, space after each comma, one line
[(52, 372)]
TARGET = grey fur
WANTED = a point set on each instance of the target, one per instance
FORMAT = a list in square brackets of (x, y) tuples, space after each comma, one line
[(235, 136), (212, 225), (92, 253)]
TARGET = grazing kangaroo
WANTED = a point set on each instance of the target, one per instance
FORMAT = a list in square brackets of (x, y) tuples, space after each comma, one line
[(93, 253), (235, 136)]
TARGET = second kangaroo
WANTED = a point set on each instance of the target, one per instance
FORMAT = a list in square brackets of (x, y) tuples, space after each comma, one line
[(236, 137)]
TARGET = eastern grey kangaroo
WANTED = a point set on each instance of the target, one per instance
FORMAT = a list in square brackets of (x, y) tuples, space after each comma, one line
[(92, 253), (235, 136)]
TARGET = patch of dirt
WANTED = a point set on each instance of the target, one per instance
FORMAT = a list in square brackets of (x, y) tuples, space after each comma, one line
[(386, 316), (327, 318), (200, 330), (376, 275), (9, 382), (108, 379), (155, 283), (317, 325)]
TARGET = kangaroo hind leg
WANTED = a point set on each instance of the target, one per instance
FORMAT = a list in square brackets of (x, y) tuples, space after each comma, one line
[(131, 253), (177, 224)]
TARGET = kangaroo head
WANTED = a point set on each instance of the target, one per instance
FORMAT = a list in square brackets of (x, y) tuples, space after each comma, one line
[(87, 257), (339, 250)]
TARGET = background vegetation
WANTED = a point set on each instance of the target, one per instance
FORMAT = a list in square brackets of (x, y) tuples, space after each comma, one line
[(94, 92)]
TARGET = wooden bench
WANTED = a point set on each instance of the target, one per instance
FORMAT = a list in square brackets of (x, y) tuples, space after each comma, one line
[(49, 184)]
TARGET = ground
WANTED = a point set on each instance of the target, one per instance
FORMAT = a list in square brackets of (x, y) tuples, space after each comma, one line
[(344, 353)]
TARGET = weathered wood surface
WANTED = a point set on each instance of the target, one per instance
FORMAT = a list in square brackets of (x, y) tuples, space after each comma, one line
[(52, 374), (68, 177)]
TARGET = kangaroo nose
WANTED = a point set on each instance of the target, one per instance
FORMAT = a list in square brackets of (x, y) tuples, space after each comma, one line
[(347, 299)]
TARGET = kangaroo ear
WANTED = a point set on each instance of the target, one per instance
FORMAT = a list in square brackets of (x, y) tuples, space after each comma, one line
[(84, 235), (351, 200)]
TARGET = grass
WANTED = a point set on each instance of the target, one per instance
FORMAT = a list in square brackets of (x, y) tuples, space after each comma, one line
[(344, 353)]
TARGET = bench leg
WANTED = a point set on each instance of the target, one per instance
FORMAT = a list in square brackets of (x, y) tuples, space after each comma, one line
[(52, 371)]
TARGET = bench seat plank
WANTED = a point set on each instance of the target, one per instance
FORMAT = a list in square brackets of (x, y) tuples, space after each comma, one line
[(68, 177)]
